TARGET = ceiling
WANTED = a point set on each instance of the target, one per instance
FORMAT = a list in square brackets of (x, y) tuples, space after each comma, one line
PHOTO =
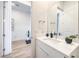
[(21, 7)]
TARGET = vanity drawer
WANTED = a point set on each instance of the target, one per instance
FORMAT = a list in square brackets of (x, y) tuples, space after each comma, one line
[(40, 53), (51, 52)]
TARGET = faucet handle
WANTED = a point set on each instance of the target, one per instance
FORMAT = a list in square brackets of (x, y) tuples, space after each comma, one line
[(47, 34), (60, 34), (55, 33)]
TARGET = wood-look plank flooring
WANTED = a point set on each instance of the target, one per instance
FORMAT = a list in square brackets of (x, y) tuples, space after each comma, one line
[(20, 50)]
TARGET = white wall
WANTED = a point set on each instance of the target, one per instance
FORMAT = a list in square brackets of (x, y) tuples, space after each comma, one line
[(22, 23), (52, 17), (39, 14), (1, 28)]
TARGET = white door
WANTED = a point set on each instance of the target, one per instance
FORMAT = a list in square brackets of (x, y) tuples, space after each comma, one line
[(7, 28), (1, 32)]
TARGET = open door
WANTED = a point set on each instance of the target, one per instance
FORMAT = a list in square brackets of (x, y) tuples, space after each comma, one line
[(1, 28), (7, 28)]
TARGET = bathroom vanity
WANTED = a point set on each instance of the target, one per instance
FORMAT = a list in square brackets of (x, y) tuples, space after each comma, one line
[(55, 48)]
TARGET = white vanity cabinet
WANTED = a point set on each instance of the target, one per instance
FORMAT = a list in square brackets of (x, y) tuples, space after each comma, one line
[(53, 48), (45, 51)]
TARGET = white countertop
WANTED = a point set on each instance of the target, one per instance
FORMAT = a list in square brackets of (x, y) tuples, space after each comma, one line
[(59, 45)]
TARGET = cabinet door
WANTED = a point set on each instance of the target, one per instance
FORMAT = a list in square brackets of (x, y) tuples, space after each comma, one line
[(43, 50), (40, 53)]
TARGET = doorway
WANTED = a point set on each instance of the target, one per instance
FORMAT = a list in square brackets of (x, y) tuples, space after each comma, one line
[(21, 25), (17, 22)]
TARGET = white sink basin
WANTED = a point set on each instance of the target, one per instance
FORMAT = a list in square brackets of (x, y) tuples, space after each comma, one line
[(53, 40)]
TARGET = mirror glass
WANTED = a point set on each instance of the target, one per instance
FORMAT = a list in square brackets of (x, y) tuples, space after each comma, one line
[(63, 18), (68, 19), (52, 16)]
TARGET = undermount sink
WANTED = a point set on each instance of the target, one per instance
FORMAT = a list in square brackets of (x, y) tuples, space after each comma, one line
[(53, 40)]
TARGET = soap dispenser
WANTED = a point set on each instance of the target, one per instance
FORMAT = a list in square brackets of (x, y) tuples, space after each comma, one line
[(47, 34), (51, 35)]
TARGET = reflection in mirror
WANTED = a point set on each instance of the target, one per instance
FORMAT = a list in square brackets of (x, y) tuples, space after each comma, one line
[(51, 18), (63, 20), (68, 19), (60, 13)]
